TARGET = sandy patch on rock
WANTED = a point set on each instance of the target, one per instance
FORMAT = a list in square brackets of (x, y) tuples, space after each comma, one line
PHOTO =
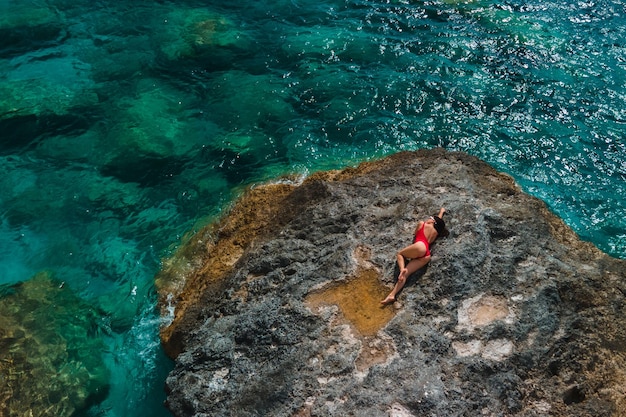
[(482, 310), (478, 312), (398, 410)]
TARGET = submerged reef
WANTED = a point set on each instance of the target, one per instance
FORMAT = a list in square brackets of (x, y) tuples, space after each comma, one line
[(276, 305), (191, 32), (50, 360)]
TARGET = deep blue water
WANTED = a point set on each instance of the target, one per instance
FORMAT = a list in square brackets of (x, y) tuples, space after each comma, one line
[(125, 124)]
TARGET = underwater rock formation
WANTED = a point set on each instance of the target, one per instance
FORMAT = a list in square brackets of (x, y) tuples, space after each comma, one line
[(50, 362), (276, 305), (189, 32)]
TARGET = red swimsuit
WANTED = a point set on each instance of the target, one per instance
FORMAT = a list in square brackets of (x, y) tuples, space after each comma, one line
[(421, 237)]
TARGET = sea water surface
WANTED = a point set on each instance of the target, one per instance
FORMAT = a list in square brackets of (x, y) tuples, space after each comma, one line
[(125, 124)]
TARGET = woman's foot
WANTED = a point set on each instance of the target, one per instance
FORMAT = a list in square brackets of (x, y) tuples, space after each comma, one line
[(389, 300)]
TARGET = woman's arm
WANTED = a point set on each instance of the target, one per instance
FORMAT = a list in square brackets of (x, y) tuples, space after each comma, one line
[(442, 211)]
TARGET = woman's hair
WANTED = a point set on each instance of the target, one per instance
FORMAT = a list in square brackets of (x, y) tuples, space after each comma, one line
[(440, 225)]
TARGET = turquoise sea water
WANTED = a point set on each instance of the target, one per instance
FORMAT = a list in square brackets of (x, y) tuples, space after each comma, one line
[(125, 124)]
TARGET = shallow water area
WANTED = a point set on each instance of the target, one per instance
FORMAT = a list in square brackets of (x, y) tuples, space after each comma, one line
[(124, 125), (55, 368)]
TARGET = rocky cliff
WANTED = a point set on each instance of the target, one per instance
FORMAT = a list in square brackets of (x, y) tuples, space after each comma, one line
[(277, 304)]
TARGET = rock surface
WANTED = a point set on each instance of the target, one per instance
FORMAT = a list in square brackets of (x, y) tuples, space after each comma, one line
[(277, 305)]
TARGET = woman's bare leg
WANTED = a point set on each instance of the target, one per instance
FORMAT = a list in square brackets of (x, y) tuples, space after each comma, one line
[(412, 267), (415, 251)]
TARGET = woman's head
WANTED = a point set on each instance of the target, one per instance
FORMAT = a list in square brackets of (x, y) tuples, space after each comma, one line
[(438, 224)]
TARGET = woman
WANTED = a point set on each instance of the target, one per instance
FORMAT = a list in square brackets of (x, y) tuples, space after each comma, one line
[(418, 253)]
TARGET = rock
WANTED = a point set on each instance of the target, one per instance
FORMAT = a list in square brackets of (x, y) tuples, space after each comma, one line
[(29, 27), (240, 100), (150, 126), (50, 358), (190, 32), (276, 313)]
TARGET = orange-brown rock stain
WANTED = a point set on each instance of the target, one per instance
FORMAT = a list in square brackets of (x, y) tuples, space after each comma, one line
[(358, 301)]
